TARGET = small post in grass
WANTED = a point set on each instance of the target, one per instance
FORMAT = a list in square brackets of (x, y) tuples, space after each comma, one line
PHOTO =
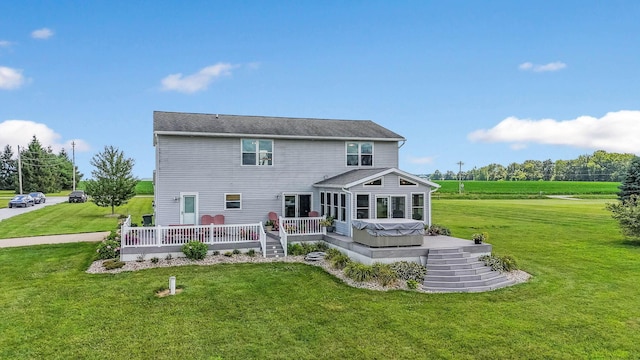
[(172, 285)]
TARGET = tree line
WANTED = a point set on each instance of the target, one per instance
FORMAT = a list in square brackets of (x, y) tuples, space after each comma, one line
[(42, 169), (599, 166)]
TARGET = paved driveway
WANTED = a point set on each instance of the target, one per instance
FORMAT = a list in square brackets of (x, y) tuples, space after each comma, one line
[(7, 213)]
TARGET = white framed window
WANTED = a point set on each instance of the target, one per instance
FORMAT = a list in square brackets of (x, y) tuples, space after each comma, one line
[(362, 206), (343, 207), (359, 154), (417, 206), (405, 182), (232, 201), (322, 204), (390, 206), (336, 205), (377, 182), (257, 152)]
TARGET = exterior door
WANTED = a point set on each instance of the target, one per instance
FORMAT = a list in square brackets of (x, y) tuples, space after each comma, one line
[(188, 208), (297, 205), (390, 207)]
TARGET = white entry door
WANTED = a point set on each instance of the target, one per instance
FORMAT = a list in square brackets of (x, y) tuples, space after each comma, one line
[(188, 208)]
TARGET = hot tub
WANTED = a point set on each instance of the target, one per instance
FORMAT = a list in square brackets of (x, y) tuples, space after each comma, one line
[(388, 232)]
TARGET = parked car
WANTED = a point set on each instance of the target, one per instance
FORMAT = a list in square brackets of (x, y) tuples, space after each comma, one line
[(77, 196), (21, 201), (38, 197)]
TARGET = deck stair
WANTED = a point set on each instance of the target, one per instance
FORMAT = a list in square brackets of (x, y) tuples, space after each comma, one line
[(273, 248), (454, 270)]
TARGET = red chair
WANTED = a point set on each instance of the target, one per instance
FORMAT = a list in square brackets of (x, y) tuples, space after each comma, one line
[(206, 220), (274, 217), (218, 220), (314, 213)]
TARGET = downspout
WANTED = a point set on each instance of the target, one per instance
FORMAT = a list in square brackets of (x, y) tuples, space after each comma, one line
[(431, 190), (350, 230), (401, 145)]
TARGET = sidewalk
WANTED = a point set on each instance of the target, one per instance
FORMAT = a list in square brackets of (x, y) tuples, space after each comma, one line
[(53, 239)]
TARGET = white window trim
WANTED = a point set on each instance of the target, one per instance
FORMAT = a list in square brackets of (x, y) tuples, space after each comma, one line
[(374, 186), (373, 151), (355, 205), (389, 196), (424, 205), (273, 152), (225, 202), (413, 183)]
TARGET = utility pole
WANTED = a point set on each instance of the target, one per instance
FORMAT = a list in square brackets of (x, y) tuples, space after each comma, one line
[(19, 170), (73, 157), (460, 186)]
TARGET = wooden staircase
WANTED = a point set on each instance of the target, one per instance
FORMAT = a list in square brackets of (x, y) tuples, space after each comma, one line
[(453, 270)]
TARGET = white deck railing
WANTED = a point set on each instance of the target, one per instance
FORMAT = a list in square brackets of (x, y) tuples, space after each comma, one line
[(299, 226), (182, 234)]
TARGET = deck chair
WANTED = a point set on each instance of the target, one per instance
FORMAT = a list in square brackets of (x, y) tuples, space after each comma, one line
[(218, 220), (274, 217), (206, 220), (313, 213)]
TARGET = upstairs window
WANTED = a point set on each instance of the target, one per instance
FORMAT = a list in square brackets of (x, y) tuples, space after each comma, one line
[(359, 154), (257, 152)]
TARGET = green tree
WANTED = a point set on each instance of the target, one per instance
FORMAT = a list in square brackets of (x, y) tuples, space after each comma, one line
[(627, 213), (39, 168), (8, 169), (113, 182), (65, 171), (631, 183)]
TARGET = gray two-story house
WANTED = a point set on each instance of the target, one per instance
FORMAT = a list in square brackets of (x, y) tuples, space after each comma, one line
[(244, 167)]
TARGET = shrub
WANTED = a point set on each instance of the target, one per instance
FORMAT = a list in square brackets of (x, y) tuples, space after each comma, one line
[(436, 229), (409, 270), (412, 284), (235, 252), (108, 249), (322, 246), (384, 274), (113, 235), (228, 254), (154, 260), (295, 249), (169, 257), (112, 264), (358, 272), (216, 253), (339, 261), (195, 250), (331, 253), (499, 263), (251, 253)]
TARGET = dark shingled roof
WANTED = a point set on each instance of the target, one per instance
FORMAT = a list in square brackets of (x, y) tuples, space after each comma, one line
[(210, 124)]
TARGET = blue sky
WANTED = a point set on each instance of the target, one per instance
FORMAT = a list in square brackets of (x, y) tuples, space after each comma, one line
[(472, 81)]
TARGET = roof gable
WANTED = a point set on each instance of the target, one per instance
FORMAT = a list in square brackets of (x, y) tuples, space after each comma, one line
[(174, 123), (359, 176)]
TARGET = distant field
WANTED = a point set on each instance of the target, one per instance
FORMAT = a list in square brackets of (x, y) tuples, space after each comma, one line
[(144, 187), (529, 188)]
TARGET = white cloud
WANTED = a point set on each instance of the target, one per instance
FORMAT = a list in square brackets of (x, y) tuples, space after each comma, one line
[(5, 43), (42, 34), (198, 81), (614, 132), (553, 66), (20, 132), (10, 78), (421, 160)]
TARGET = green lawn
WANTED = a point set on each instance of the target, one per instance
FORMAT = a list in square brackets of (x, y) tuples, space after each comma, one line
[(582, 302), (527, 189), (74, 218)]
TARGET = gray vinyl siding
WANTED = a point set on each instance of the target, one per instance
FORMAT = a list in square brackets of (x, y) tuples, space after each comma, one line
[(391, 186), (211, 167)]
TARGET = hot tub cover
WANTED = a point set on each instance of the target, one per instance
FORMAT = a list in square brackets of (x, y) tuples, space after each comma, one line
[(390, 227)]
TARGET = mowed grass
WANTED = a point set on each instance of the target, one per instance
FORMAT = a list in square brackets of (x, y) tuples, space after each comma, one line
[(66, 218), (525, 189), (581, 304)]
